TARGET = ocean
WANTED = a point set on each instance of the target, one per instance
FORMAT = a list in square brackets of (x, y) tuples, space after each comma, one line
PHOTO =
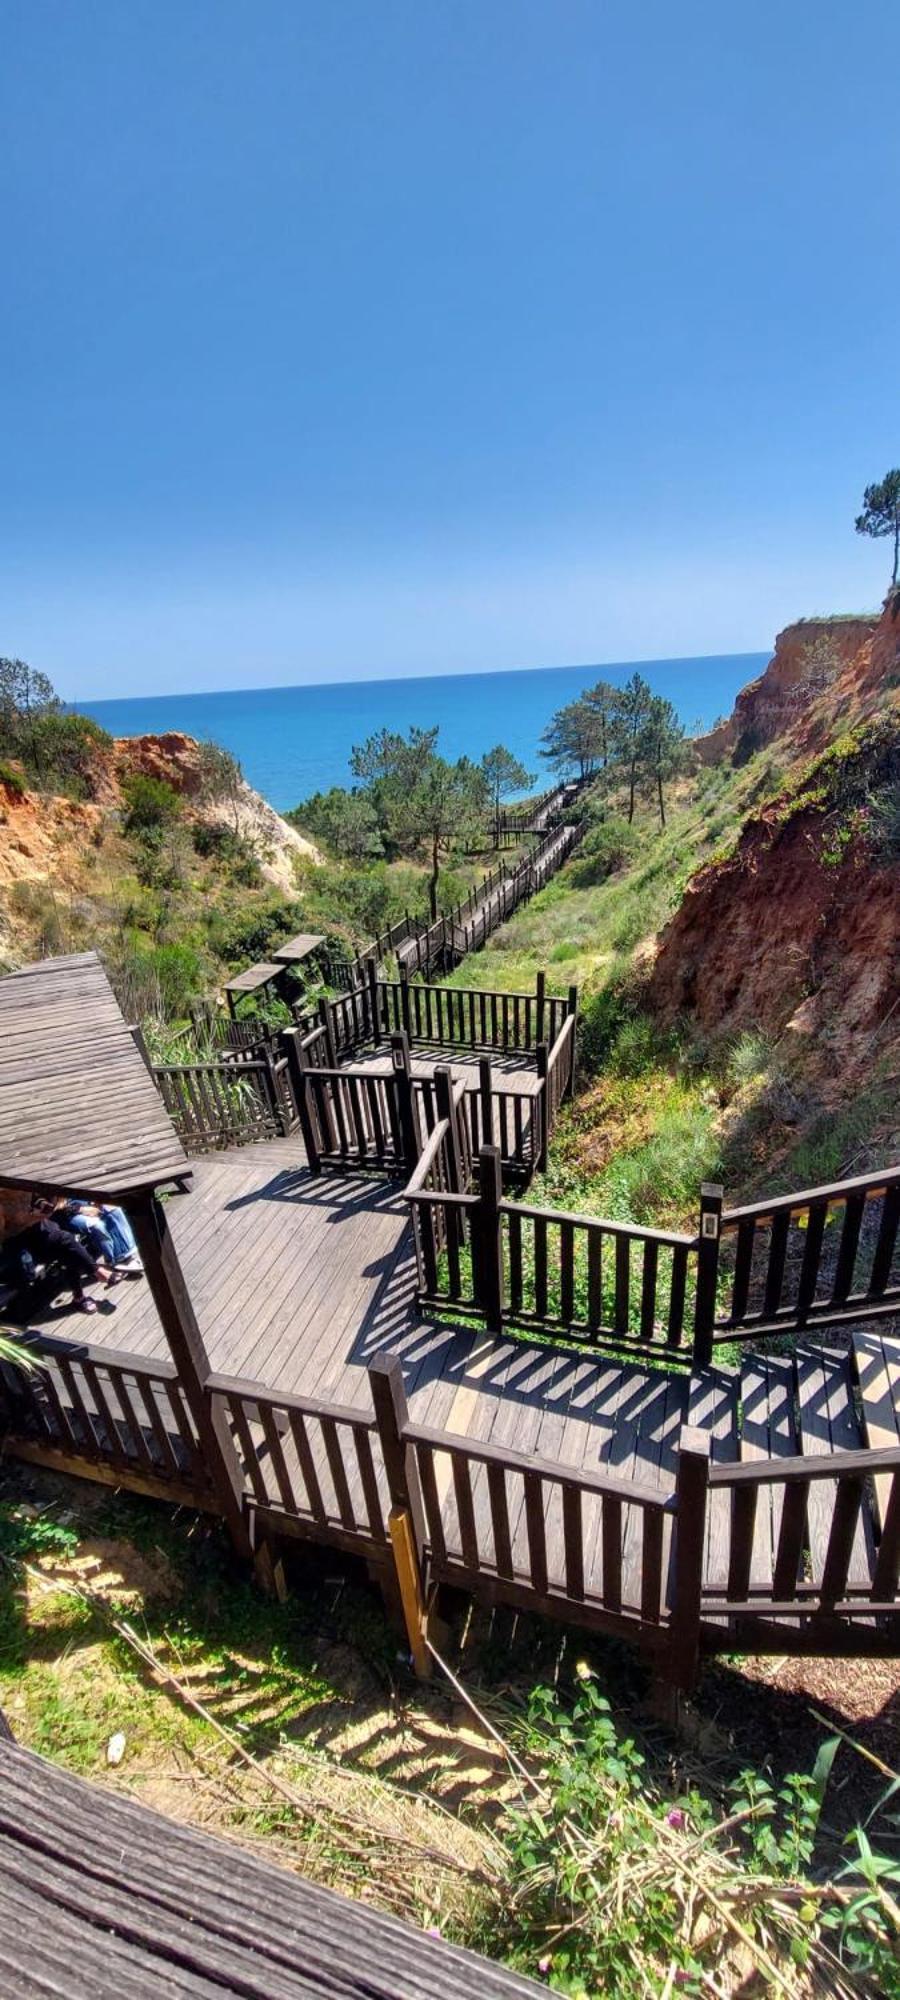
[(293, 741)]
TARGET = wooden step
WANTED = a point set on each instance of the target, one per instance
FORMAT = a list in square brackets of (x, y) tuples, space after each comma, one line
[(827, 1423), (878, 1374), (768, 1430)]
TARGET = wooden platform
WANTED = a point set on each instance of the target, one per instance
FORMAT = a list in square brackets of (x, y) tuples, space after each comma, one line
[(299, 1282)]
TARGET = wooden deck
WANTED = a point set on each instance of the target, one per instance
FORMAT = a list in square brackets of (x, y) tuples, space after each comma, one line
[(298, 1282)]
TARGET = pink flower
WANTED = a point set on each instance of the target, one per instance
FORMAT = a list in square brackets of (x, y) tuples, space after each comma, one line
[(545, 1963), (432, 1931), (675, 1817)]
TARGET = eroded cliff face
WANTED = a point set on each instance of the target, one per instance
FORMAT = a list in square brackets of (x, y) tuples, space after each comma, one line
[(818, 665), (797, 932), (42, 837)]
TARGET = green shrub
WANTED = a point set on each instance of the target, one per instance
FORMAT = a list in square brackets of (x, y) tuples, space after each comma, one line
[(12, 779), (157, 980), (151, 806), (607, 848), (240, 940)]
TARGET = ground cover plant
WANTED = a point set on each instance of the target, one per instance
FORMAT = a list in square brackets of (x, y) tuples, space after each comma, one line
[(527, 1803)]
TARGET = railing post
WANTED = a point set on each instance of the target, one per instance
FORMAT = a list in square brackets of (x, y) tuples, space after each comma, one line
[(708, 1239), (572, 1009), (542, 1058), (298, 1072), (485, 1101), (374, 1010), (446, 1108), (406, 1522), (404, 999), (691, 1488), (273, 1093), (187, 1348), (327, 1020), (540, 991), (489, 1224), (403, 1085)]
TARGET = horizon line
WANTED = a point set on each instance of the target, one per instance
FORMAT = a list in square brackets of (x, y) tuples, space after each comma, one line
[(466, 674)]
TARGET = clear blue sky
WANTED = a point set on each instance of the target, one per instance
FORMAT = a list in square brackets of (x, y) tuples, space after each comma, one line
[(350, 337)]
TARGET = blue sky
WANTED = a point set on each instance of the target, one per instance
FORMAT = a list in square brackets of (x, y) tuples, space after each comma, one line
[(343, 339)]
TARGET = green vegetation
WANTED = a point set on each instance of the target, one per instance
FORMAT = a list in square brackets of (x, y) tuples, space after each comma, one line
[(881, 514), (56, 750), (610, 1858), (626, 735)]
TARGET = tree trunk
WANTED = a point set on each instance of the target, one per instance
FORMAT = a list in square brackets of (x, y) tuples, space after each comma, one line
[(896, 551), (659, 789), (632, 779)]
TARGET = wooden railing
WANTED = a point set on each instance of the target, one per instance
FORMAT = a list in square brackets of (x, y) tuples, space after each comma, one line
[(214, 1104), (96, 1406), (817, 1258), (846, 1578), (611, 1283), (526, 1524), (442, 1217), (449, 1017), (308, 1464)]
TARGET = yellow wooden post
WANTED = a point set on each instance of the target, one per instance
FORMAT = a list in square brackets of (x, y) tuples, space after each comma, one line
[(409, 1580)]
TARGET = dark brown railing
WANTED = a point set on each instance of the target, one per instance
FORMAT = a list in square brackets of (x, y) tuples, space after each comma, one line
[(214, 1104), (94, 1405), (449, 1017), (308, 1464), (606, 1282), (818, 1258)]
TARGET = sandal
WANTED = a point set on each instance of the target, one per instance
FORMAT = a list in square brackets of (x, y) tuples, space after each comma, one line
[(85, 1305)]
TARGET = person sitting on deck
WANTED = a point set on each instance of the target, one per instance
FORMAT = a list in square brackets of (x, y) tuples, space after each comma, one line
[(44, 1244), (107, 1231)]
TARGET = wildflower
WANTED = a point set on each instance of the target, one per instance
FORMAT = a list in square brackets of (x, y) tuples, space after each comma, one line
[(545, 1963), (432, 1931), (677, 1818), (584, 1672)]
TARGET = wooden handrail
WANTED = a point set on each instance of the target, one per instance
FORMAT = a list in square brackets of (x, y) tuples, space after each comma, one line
[(830, 1465), (668, 1239), (427, 1157), (870, 1184), (55, 1346), (309, 1406), (640, 1492)]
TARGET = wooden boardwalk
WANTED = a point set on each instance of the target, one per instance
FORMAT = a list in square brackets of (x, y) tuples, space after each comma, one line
[(299, 1282)]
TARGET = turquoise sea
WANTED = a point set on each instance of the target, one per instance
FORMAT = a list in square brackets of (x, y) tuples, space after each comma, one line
[(296, 740)]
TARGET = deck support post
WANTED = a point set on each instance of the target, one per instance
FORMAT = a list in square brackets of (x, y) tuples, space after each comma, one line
[(488, 1223), (691, 1489), (406, 1521), (540, 986), (298, 1070), (402, 1071), (187, 1348), (708, 1237)]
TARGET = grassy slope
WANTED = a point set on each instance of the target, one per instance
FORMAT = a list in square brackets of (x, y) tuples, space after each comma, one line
[(656, 1113)]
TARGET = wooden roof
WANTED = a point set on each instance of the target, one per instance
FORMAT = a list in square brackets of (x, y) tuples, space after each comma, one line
[(79, 1110), (298, 948), (253, 978), (100, 1895)]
